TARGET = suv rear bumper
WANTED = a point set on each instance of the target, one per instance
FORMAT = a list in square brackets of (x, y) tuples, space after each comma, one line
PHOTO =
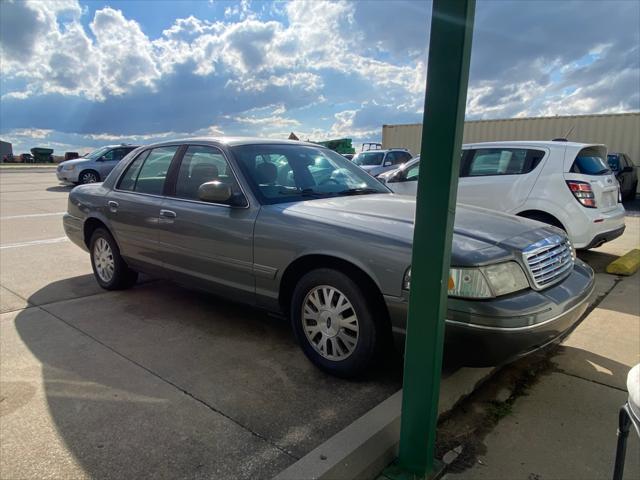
[(605, 237)]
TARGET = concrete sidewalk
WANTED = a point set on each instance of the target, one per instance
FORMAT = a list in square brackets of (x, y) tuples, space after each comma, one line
[(564, 427)]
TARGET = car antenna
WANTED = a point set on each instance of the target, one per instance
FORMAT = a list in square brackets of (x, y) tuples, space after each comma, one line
[(564, 139)]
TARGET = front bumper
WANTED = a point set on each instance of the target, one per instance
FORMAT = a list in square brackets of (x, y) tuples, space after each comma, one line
[(492, 332), (67, 176)]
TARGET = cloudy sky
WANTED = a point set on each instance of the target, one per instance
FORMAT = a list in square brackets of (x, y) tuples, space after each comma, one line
[(78, 74)]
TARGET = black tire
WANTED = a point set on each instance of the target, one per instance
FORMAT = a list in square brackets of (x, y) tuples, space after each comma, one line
[(88, 176), (123, 277), (368, 340)]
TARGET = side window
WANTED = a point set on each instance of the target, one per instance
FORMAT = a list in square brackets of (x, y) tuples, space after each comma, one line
[(199, 165), (107, 157), (390, 157), (120, 153), (503, 161), (405, 157), (412, 173), (128, 180), (147, 172)]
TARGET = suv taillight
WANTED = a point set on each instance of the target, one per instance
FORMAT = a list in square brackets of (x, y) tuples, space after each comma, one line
[(583, 193)]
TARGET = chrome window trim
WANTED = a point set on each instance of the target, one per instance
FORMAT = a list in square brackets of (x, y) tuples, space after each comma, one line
[(235, 175)]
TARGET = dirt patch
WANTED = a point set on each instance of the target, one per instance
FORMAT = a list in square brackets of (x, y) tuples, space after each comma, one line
[(468, 424)]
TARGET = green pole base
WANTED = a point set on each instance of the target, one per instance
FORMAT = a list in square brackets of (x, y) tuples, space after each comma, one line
[(396, 472)]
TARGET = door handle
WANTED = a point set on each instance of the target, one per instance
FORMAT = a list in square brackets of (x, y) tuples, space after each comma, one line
[(113, 206), (168, 214)]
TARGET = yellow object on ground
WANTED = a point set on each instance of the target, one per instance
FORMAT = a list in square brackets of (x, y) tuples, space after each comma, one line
[(628, 264)]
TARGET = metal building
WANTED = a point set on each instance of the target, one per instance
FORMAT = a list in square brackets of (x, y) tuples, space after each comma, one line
[(620, 132), (5, 149)]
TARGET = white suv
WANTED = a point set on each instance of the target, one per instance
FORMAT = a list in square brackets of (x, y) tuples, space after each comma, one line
[(565, 184)]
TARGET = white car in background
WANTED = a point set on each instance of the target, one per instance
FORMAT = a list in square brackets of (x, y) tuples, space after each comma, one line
[(565, 184)]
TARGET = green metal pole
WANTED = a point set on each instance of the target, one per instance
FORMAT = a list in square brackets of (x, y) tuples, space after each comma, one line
[(445, 100)]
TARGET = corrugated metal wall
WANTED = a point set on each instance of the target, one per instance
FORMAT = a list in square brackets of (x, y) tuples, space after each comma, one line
[(620, 132)]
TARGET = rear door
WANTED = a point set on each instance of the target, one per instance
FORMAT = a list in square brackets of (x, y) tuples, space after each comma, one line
[(208, 244), (590, 165), (133, 207), (499, 178)]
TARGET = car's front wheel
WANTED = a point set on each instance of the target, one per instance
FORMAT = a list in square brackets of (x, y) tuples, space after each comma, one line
[(334, 322), (88, 176), (109, 268)]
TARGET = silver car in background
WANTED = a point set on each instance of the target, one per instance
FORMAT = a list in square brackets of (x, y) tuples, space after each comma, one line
[(93, 167), (375, 162), (296, 229)]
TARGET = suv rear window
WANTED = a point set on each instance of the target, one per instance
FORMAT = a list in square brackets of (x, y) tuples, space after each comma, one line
[(589, 162)]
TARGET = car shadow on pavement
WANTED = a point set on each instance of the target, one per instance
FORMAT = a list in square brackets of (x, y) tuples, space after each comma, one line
[(60, 188), (596, 260), (154, 380)]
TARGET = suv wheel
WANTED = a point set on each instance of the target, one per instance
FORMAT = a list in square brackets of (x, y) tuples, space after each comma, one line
[(88, 176), (109, 268), (333, 322)]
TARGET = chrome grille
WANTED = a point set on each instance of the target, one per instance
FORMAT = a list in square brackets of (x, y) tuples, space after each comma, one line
[(549, 261)]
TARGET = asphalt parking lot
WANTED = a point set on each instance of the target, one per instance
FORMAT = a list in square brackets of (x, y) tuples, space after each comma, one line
[(157, 381)]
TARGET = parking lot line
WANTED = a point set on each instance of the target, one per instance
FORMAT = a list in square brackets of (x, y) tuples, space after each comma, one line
[(32, 215), (34, 242)]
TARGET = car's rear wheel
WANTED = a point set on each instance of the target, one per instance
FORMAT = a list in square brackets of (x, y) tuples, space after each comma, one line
[(88, 176), (109, 268), (334, 322)]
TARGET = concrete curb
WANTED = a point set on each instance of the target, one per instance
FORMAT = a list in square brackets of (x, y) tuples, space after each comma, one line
[(362, 450), (626, 265)]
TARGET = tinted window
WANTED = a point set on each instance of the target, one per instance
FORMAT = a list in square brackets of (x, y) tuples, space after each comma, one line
[(590, 164), (413, 172), (150, 176), (614, 162), (128, 180), (120, 153), (503, 161), (368, 158), (199, 165), (288, 173)]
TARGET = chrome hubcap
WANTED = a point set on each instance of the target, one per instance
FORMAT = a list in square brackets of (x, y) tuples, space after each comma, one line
[(103, 260), (89, 178), (330, 322)]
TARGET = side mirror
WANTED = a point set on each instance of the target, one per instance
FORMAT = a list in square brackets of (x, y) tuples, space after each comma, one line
[(215, 192), (387, 163)]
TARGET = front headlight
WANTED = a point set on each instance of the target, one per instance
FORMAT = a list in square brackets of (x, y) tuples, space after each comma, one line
[(68, 167), (487, 282), (481, 282)]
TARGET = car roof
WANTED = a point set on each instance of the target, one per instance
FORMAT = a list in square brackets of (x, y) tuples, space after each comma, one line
[(540, 143), (235, 141)]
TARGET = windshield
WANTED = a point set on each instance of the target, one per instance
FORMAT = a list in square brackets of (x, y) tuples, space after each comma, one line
[(368, 158), (96, 154), (614, 162), (287, 173)]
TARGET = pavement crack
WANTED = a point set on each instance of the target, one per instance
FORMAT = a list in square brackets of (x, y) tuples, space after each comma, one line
[(177, 387), (563, 372)]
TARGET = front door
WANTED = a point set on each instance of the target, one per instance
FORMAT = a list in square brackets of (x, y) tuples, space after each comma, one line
[(203, 243)]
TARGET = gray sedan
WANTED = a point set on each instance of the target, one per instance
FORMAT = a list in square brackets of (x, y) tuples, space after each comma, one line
[(297, 229)]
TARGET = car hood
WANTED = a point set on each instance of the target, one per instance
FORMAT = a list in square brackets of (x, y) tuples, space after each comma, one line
[(75, 161), (479, 235)]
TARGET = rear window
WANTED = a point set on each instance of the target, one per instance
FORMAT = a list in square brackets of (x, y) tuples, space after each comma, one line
[(590, 162), (502, 161)]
